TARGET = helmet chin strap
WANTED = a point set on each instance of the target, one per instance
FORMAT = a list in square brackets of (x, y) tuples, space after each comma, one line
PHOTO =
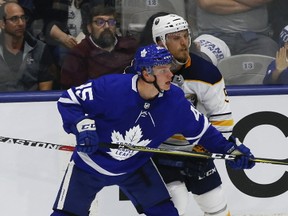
[(153, 83), (175, 61)]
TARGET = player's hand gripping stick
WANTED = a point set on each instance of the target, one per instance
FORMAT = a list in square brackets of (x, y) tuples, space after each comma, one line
[(86, 136), (243, 155)]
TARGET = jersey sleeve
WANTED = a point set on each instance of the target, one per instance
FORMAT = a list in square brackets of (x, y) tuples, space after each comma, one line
[(198, 130), (80, 102), (204, 87), (213, 141), (213, 101)]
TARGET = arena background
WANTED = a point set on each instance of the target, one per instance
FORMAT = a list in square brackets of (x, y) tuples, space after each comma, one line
[(30, 176)]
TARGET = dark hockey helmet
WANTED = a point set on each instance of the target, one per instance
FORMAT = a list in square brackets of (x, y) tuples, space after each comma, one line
[(150, 56)]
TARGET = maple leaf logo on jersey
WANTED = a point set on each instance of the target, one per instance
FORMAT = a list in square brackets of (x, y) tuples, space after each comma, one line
[(132, 136), (143, 53)]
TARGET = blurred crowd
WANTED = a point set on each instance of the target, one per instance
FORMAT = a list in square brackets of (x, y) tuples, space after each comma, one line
[(56, 44)]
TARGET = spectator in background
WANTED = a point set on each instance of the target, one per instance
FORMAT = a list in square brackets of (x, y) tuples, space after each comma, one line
[(62, 26), (101, 52), (25, 62), (65, 25), (3, 1), (33, 9), (242, 24), (278, 16), (277, 72)]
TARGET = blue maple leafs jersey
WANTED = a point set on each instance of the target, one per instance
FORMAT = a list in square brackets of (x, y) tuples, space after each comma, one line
[(121, 115)]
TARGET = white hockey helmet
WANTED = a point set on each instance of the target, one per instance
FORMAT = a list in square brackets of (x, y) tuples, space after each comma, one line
[(170, 23)]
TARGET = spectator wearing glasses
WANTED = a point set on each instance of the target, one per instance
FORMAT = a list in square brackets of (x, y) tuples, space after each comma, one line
[(65, 24), (25, 62), (92, 58)]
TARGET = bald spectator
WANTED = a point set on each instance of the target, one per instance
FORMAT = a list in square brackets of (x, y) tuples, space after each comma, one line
[(25, 62)]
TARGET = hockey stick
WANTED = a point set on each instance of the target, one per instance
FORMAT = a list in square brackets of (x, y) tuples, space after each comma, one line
[(192, 154), (54, 146), (45, 145)]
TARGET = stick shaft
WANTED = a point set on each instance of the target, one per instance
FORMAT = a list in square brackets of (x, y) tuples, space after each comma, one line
[(194, 154), (70, 148), (38, 144)]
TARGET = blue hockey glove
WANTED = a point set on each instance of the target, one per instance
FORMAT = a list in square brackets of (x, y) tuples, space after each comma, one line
[(242, 161), (86, 136)]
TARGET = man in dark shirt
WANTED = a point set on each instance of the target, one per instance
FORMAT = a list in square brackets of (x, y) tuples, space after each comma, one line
[(101, 52)]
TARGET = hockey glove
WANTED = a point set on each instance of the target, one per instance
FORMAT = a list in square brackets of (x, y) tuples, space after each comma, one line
[(244, 153), (86, 136)]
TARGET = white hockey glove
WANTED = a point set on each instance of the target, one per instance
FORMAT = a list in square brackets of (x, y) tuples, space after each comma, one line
[(86, 136), (243, 152)]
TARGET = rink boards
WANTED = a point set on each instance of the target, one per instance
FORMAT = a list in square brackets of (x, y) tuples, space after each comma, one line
[(30, 176)]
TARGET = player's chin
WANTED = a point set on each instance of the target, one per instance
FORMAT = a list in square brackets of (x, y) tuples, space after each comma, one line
[(167, 86), (183, 58)]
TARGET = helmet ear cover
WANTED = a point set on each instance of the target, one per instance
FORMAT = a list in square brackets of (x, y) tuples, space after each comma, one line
[(148, 69)]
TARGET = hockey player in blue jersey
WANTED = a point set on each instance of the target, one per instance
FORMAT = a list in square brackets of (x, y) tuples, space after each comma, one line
[(141, 109)]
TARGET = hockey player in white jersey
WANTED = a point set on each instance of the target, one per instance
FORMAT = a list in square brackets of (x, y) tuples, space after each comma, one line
[(143, 109), (204, 86)]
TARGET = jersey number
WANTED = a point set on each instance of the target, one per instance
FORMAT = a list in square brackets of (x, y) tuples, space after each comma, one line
[(195, 112), (84, 91)]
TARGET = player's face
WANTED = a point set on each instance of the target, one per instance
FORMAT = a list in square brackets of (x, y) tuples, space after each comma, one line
[(15, 21), (103, 30), (164, 76), (178, 45)]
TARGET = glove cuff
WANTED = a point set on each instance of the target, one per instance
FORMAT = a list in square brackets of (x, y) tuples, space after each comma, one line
[(83, 125), (86, 124), (235, 145)]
